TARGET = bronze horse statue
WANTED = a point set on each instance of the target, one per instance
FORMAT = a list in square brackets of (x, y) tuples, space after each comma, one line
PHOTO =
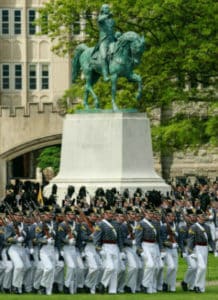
[(123, 55)]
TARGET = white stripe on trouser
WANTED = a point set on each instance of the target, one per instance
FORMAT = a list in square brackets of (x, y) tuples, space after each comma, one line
[(110, 260), (149, 255), (171, 261), (47, 256), (16, 254), (201, 261)]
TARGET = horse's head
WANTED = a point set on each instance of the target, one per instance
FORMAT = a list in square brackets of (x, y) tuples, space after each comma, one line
[(137, 47)]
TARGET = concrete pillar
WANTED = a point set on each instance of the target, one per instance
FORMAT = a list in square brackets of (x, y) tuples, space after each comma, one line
[(3, 177)]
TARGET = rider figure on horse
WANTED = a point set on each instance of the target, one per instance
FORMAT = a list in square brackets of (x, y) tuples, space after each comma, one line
[(106, 37)]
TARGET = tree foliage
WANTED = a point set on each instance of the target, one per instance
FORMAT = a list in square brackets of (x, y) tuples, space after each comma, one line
[(49, 157), (181, 51)]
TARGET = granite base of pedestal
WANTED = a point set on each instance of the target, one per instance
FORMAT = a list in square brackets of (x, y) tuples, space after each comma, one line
[(108, 150)]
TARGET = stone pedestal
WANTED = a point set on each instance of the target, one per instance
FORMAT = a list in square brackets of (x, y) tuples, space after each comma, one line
[(107, 150)]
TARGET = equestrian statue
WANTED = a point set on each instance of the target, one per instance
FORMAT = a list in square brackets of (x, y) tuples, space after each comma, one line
[(115, 55)]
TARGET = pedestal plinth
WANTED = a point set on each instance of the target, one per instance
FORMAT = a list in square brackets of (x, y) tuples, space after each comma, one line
[(107, 150)]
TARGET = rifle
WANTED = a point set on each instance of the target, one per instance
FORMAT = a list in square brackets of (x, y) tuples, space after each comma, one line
[(86, 220)]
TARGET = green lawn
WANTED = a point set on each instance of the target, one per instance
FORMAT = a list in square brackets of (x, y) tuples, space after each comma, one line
[(210, 294)]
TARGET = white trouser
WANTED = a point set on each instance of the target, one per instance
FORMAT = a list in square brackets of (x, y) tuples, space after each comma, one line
[(110, 260), (37, 268), (70, 260), (16, 253), (28, 274), (47, 256), (8, 271), (149, 256), (93, 265), (59, 271), (171, 261), (80, 269), (201, 253), (191, 272), (158, 271), (132, 264)]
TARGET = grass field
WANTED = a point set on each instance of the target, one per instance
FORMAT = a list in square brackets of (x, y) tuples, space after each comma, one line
[(210, 294)]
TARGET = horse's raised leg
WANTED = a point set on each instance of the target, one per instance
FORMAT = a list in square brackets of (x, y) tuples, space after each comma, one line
[(113, 91), (136, 78)]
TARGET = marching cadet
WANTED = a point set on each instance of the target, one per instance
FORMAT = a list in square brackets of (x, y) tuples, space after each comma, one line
[(45, 237), (34, 229), (199, 237), (66, 241), (92, 258), (146, 242), (8, 265), (189, 279), (16, 236), (107, 241), (132, 265), (169, 246)]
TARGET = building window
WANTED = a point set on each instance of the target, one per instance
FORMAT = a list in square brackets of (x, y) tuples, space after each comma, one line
[(11, 76), (38, 76), (44, 77), (32, 77), (17, 21), (10, 21), (31, 20), (5, 77), (5, 21), (18, 77)]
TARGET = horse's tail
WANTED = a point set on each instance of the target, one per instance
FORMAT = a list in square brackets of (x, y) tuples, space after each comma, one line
[(75, 62)]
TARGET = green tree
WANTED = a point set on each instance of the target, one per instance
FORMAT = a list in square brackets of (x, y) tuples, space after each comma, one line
[(49, 157), (181, 51)]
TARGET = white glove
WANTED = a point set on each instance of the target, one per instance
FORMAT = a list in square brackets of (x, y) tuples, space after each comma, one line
[(20, 239), (133, 242), (162, 255), (31, 250), (102, 253), (174, 245), (193, 256), (62, 253), (184, 255), (50, 241), (122, 256), (71, 241)]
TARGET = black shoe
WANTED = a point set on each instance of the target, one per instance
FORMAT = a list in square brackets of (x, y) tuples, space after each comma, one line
[(66, 290), (184, 286), (35, 291), (6, 291), (197, 289), (101, 288), (42, 290), (86, 289), (144, 289), (15, 290), (165, 287), (127, 289), (55, 288)]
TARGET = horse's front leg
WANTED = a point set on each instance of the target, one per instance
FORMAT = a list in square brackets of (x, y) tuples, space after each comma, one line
[(113, 91), (86, 95), (137, 78), (90, 90)]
